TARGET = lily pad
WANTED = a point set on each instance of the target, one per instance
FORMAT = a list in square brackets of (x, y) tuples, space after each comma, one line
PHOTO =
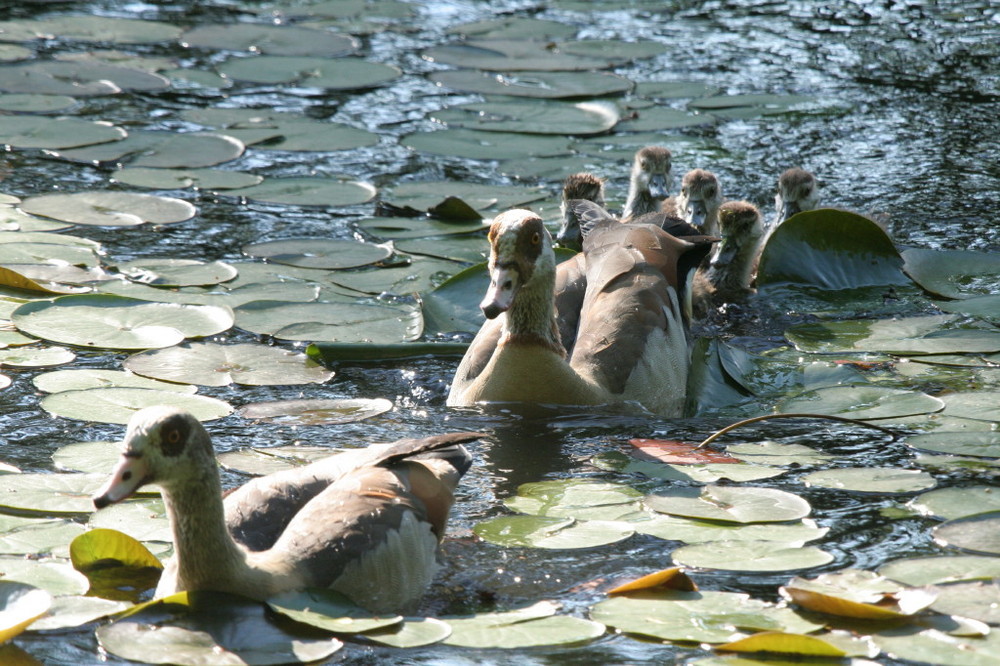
[(751, 556), (977, 533), (86, 378), (857, 593), (884, 480), (982, 405), (454, 304), (511, 55), (35, 537), (862, 402), (323, 253), (162, 150), (116, 322), (730, 504), (985, 444), (20, 605), (331, 322), (917, 644), (939, 570), (35, 357), (574, 498), (117, 405), (28, 103), (92, 29), (481, 145), (142, 519), (77, 79), (267, 129), (532, 118), (55, 133), (957, 501), (555, 533), (316, 412), (211, 364), (534, 626), (330, 611), (659, 118), (175, 179), (326, 73), (542, 85), (67, 612), (421, 274), (172, 272), (307, 192), (282, 40), (516, 27), (676, 528), (830, 249), (111, 209), (953, 273), (87, 457), (412, 632), (978, 600), (50, 494)]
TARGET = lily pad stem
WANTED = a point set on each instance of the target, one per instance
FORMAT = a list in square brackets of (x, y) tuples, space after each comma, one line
[(843, 419)]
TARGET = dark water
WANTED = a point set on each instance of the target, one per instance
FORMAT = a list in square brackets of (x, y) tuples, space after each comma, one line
[(910, 132)]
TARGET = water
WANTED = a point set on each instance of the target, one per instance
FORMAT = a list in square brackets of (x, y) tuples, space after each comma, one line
[(907, 129)]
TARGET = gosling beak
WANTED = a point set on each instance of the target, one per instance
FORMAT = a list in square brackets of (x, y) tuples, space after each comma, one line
[(658, 186), (569, 235), (499, 297), (131, 472), (696, 209), (787, 209)]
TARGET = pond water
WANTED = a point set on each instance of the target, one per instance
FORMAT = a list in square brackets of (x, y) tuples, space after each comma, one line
[(901, 123)]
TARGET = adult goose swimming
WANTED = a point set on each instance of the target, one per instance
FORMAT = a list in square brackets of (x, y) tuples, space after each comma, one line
[(616, 305), (366, 523)]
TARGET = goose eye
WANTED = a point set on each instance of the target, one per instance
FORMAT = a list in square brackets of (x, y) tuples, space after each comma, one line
[(173, 437), (536, 238)]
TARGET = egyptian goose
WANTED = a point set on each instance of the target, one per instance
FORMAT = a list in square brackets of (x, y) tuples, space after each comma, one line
[(366, 523), (730, 270), (649, 182), (627, 340), (699, 201), (581, 185)]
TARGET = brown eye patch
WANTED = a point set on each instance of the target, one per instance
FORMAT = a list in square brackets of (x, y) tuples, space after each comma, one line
[(173, 436)]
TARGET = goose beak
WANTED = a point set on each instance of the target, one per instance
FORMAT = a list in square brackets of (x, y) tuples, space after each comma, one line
[(569, 236), (658, 187), (499, 297), (696, 209), (131, 473), (787, 209)]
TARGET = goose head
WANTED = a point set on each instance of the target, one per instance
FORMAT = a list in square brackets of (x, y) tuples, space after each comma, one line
[(797, 191), (163, 445), (649, 181), (585, 186), (699, 200), (521, 264)]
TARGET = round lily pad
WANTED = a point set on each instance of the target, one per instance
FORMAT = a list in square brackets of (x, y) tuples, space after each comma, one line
[(211, 364), (977, 600), (862, 402), (117, 405), (55, 133), (420, 275), (264, 461), (316, 412), (35, 537), (174, 179), (116, 322), (412, 632), (426, 194), (481, 145), (78, 79), (554, 630), (90, 28), (327, 73), (67, 612), (28, 103), (112, 209), (330, 611), (556, 533), (511, 55), (323, 253), (953, 273), (982, 405), (162, 150), (35, 357), (142, 519), (731, 504), (957, 501), (985, 444), (977, 533), (88, 457), (532, 118), (938, 570), (513, 27), (172, 272), (331, 322), (751, 556), (544, 85), (50, 494), (658, 118), (307, 192), (85, 378), (576, 498), (884, 480), (270, 39)]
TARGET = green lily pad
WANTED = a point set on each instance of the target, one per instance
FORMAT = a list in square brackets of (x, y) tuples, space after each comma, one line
[(117, 405), (730, 504), (162, 150), (982, 405), (78, 79), (176, 179), (454, 304), (427, 194), (658, 118), (704, 473), (111, 209), (91, 29), (116, 322), (986, 308), (55, 576), (534, 626), (985, 444), (469, 249), (977, 600), (920, 645), (858, 594), (775, 453), (512, 55), (282, 40), (316, 412), (751, 556), (830, 249), (319, 252), (402, 228), (55, 133), (87, 457), (85, 378), (554, 533), (532, 118), (412, 632), (264, 461), (307, 192), (513, 27), (918, 571), (673, 89), (28, 103), (542, 85), (20, 605), (172, 272), (572, 498), (331, 322), (884, 480), (766, 101), (50, 494), (862, 402), (480, 145), (35, 357), (267, 129), (906, 335), (68, 612), (421, 274), (142, 519), (957, 501), (36, 536), (212, 364), (330, 611), (953, 273), (696, 617), (676, 528), (326, 73), (977, 533)]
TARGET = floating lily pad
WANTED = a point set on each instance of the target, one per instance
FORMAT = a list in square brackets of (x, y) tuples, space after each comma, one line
[(468, 249), (77, 79), (174, 179), (162, 150), (673, 89), (730, 504), (775, 453), (91, 29), (481, 145), (454, 305), (857, 593), (555, 533), (330, 611), (978, 600), (267, 129), (50, 254), (401, 228), (953, 273), (55, 133), (323, 253), (511, 55), (575, 498), (534, 626), (282, 40), (862, 402), (307, 192), (142, 519), (316, 412), (751, 556), (170, 272), (28, 103), (50, 494), (543, 85), (88, 457), (884, 480), (957, 501), (67, 612), (658, 118), (977, 533), (86, 378), (211, 364), (327, 73), (412, 632), (35, 537), (115, 322), (938, 570), (906, 335), (420, 275), (117, 405), (264, 461), (331, 322), (700, 473), (982, 405), (532, 118), (830, 249), (35, 357), (917, 644), (112, 209), (764, 102), (513, 27), (985, 444), (20, 605)]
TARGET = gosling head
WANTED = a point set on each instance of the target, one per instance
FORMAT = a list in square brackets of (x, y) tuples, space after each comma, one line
[(797, 191), (651, 171), (700, 198), (520, 255), (585, 186)]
